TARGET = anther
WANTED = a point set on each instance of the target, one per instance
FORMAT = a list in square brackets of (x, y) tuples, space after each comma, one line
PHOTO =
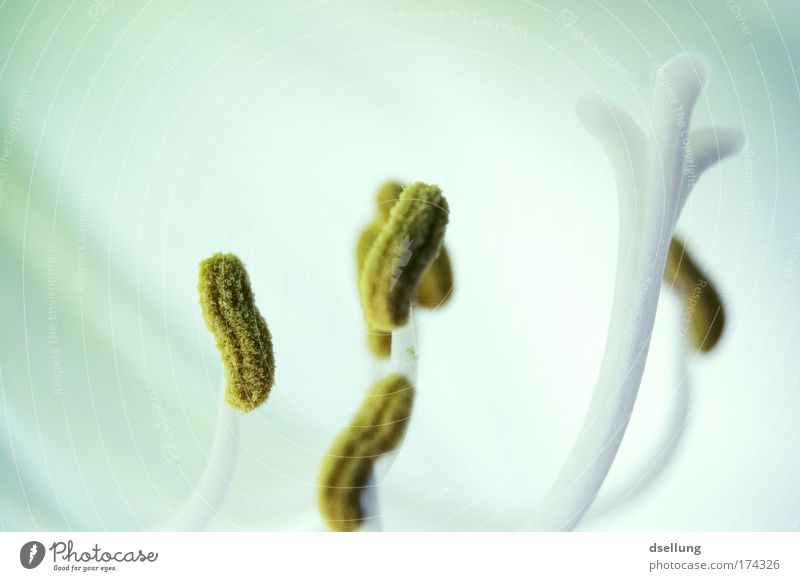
[(702, 304), (375, 430), (408, 243), (241, 334)]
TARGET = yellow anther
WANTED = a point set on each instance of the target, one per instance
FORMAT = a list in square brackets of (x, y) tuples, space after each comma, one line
[(385, 199), (240, 331), (379, 343), (703, 309), (376, 429), (408, 243), (364, 244), (436, 285)]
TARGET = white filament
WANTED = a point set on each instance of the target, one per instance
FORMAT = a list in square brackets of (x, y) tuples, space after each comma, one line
[(207, 496)]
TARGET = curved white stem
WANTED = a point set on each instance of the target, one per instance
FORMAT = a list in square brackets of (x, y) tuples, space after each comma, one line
[(207, 496), (663, 453), (650, 191), (615, 394), (623, 141)]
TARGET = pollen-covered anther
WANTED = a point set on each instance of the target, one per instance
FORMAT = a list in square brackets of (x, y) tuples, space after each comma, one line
[(407, 244), (436, 284), (379, 342), (241, 334), (385, 199), (703, 309), (375, 430)]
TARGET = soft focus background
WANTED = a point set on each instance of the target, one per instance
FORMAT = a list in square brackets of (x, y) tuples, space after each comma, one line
[(140, 137)]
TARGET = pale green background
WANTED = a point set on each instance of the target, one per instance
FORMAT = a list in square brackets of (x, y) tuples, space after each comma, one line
[(162, 132)]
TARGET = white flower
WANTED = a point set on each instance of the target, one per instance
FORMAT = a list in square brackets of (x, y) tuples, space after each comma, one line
[(136, 141)]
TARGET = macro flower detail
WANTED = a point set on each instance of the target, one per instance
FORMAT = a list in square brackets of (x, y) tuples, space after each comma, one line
[(206, 270), (703, 309), (385, 199), (436, 284), (379, 343), (245, 344), (375, 430), (702, 322), (242, 335), (420, 215), (654, 176), (392, 255)]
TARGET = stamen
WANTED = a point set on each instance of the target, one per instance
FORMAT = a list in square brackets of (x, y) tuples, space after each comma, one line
[(240, 331), (435, 286), (407, 244), (702, 304), (398, 256), (245, 344), (375, 430)]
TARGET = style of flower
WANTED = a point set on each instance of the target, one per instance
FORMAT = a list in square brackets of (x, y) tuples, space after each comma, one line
[(654, 176)]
